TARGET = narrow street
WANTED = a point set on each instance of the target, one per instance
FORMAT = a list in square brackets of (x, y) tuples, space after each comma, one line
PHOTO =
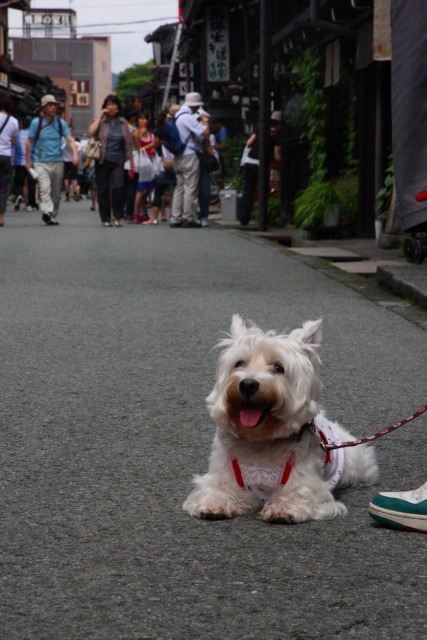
[(106, 360)]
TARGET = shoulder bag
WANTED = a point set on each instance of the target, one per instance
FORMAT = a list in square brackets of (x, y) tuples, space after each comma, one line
[(92, 149), (208, 160), (167, 160)]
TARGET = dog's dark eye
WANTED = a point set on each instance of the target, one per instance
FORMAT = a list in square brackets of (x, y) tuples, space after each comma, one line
[(239, 364), (277, 368)]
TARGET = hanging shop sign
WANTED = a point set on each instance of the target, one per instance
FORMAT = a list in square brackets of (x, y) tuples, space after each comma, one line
[(218, 45)]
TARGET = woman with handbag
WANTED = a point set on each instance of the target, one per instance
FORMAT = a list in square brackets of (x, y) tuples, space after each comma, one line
[(9, 129), (115, 148)]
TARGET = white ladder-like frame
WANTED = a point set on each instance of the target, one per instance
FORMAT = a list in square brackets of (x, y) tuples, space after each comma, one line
[(172, 65)]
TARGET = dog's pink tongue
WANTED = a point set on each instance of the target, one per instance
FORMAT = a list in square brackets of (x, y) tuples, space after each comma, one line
[(250, 417)]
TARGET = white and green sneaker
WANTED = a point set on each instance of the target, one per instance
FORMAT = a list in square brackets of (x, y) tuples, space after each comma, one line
[(401, 509)]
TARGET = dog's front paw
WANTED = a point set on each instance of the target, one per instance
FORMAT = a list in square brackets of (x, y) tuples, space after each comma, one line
[(209, 507), (290, 512), (279, 514), (215, 513)]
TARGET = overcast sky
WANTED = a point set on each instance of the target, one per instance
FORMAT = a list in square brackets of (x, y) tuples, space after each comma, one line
[(118, 17)]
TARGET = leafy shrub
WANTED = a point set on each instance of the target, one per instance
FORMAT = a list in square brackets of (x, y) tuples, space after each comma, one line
[(312, 204), (231, 156)]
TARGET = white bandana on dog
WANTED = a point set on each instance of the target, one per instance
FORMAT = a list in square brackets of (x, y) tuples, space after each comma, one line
[(262, 481)]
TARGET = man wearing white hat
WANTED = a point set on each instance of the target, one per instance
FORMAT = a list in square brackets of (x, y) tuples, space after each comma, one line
[(187, 166), (46, 133)]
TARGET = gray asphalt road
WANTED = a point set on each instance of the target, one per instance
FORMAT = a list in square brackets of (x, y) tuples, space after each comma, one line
[(106, 359)]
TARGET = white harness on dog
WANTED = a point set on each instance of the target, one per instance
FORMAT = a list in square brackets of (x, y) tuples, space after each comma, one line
[(262, 481), (334, 462)]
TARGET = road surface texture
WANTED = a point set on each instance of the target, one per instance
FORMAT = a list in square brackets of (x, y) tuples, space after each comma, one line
[(106, 360)]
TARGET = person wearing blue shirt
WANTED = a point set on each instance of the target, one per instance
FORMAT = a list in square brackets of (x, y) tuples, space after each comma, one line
[(45, 134), (221, 135)]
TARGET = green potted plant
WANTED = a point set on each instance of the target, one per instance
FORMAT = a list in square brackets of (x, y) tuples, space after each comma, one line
[(231, 197), (313, 204)]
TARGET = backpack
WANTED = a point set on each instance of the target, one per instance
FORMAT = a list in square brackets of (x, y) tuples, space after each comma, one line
[(172, 140), (39, 127)]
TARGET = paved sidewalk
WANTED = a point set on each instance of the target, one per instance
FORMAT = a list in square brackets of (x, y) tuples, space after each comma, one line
[(359, 256)]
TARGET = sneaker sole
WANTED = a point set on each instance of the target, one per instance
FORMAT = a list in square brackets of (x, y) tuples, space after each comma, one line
[(397, 519)]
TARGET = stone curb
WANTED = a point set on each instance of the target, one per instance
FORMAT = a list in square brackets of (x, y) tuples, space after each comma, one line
[(407, 282)]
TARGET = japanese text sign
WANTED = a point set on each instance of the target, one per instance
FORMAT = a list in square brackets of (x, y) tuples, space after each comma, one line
[(218, 47)]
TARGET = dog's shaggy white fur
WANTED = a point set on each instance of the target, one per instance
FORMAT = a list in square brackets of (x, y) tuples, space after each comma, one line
[(265, 456)]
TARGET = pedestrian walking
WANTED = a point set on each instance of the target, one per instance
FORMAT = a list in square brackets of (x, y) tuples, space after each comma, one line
[(70, 173), (143, 139), (251, 165), (166, 180), (9, 129), (204, 176), (116, 147), (46, 133), (131, 114), (187, 165), (25, 185)]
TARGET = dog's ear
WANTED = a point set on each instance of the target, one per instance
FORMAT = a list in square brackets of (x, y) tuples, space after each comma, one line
[(238, 328), (309, 333)]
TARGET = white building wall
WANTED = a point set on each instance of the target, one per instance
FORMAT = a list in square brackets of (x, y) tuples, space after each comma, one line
[(102, 72)]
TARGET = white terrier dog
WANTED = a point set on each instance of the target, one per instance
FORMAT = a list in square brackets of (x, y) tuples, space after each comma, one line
[(266, 454)]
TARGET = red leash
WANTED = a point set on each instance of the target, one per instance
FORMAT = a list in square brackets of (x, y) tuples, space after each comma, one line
[(383, 432)]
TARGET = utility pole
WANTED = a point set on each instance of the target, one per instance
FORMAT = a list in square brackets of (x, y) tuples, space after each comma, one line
[(264, 112)]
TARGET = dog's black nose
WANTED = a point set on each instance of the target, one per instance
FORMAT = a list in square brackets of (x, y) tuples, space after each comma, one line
[(248, 387)]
